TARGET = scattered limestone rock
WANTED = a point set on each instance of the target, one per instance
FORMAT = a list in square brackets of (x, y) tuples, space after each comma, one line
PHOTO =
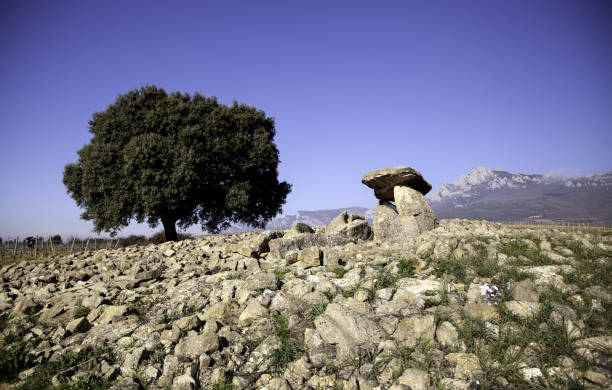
[(186, 314), (525, 290), (413, 329), (253, 311), (523, 309), (481, 311), (111, 312), (348, 329), (414, 378), (447, 335), (78, 325), (466, 365)]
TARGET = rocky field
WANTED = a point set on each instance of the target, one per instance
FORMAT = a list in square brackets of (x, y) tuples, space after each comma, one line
[(467, 305)]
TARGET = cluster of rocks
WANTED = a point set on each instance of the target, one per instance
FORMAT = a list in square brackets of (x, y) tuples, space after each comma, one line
[(402, 211), (318, 307)]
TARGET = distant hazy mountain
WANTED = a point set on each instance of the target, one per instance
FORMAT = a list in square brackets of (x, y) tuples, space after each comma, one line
[(312, 218), (503, 196)]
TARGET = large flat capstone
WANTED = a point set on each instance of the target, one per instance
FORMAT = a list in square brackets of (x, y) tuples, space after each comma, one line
[(382, 181)]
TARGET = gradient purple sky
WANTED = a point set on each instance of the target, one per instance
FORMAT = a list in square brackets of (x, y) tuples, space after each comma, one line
[(354, 86)]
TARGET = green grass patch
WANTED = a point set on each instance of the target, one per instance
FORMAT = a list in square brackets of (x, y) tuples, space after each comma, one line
[(280, 272), (338, 271), (87, 382), (41, 379), (14, 357), (224, 383), (290, 347), (518, 249), (81, 311), (455, 268)]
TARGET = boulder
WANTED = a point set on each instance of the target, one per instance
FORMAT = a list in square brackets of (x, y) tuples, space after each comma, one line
[(383, 181), (287, 248), (411, 203), (390, 226), (523, 309), (111, 312), (338, 224), (353, 226), (447, 335), (525, 290), (415, 379), (310, 257), (348, 330), (78, 325), (412, 330), (253, 311), (301, 227), (191, 347)]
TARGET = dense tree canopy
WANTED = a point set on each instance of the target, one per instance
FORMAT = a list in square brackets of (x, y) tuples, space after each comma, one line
[(177, 158)]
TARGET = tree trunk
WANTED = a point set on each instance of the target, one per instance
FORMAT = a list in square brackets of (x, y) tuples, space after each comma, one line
[(169, 229)]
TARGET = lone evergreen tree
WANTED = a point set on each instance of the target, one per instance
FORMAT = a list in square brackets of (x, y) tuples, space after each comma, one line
[(180, 159)]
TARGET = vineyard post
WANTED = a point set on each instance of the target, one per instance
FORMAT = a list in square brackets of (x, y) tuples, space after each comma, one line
[(15, 250), (35, 246), (52, 248), (72, 246), (117, 244), (86, 245)]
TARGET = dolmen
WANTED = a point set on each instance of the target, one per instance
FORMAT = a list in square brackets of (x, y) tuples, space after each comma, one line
[(402, 210)]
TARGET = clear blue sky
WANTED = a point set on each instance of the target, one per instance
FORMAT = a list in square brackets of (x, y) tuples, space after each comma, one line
[(354, 86)]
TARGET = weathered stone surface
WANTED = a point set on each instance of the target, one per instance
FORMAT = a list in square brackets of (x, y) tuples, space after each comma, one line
[(409, 202), (253, 311), (523, 309), (191, 347), (301, 227), (110, 312), (359, 229), (447, 335), (413, 329), (348, 329), (390, 226), (26, 306), (78, 325), (383, 181), (414, 378), (132, 360), (281, 248), (466, 365), (310, 257), (525, 290), (481, 311), (484, 293), (338, 224), (353, 226)]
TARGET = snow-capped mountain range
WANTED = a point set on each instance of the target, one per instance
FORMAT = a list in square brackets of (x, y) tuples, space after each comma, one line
[(495, 194)]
